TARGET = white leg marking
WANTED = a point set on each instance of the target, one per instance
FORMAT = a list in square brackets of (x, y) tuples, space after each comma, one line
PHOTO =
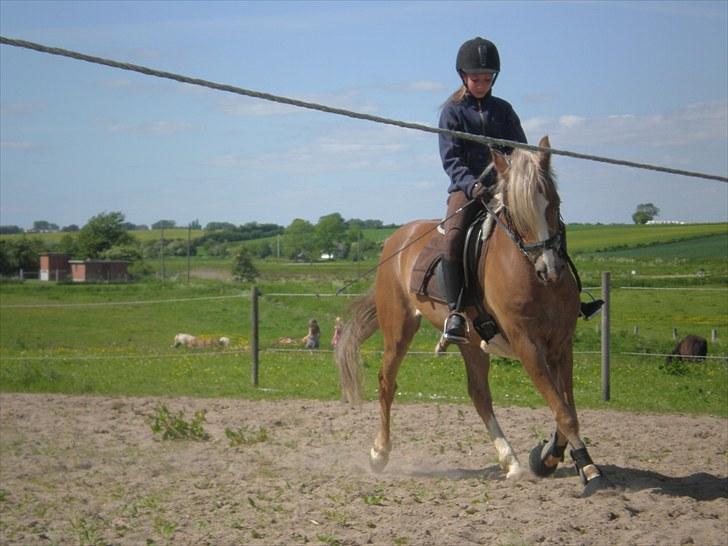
[(506, 457)]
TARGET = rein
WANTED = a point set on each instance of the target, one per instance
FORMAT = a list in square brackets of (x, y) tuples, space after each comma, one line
[(402, 249)]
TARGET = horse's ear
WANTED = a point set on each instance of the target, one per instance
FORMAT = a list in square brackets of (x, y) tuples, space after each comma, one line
[(545, 157), (501, 163)]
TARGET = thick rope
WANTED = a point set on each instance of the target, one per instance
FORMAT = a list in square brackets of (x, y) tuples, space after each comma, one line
[(347, 113)]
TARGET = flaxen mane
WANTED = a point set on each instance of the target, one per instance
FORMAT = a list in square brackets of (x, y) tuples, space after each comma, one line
[(522, 180)]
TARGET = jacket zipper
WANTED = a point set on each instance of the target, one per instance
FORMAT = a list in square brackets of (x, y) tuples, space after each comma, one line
[(482, 117)]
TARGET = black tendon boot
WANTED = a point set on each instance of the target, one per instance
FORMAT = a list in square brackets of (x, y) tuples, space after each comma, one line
[(455, 330)]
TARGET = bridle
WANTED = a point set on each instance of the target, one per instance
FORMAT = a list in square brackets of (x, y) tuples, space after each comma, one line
[(530, 250)]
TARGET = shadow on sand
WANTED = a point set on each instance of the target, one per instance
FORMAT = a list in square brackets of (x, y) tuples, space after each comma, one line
[(700, 486)]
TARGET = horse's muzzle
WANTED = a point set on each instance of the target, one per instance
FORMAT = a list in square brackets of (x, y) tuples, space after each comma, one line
[(549, 267)]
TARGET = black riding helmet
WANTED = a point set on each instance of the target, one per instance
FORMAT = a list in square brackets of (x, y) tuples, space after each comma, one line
[(478, 56)]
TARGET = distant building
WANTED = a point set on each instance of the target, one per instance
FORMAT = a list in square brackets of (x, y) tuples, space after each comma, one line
[(99, 270), (54, 266)]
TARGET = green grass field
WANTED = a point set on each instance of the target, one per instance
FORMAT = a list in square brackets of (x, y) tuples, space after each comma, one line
[(116, 339), (601, 238)]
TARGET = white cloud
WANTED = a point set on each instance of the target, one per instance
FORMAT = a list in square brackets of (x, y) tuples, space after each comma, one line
[(694, 124), (254, 107), (16, 145), (535, 125), (426, 86), (250, 107), (571, 120), (153, 128), (375, 149), (22, 108)]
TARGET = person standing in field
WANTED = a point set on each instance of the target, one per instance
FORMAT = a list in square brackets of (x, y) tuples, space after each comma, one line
[(338, 325), (473, 109), (313, 338)]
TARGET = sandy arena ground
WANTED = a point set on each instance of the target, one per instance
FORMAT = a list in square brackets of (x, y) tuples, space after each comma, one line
[(89, 470)]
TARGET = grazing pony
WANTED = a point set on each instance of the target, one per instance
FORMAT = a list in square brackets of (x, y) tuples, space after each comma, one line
[(194, 342), (528, 290), (185, 340), (689, 348)]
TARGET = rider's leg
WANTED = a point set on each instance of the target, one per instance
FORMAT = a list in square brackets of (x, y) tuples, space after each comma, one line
[(455, 330)]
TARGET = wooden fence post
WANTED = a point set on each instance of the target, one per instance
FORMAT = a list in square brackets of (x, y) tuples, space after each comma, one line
[(674, 333), (254, 293), (605, 336), (714, 334)]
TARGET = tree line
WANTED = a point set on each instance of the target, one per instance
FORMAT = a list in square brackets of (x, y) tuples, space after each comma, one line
[(108, 236)]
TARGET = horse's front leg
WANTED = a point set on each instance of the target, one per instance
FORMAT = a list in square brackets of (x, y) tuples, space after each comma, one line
[(556, 388), (398, 331), (477, 364)]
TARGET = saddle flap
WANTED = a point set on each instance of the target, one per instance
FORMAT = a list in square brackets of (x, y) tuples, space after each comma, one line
[(426, 268)]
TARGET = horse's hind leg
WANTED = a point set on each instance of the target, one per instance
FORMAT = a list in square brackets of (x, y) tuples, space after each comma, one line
[(398, 328), (477, 364)]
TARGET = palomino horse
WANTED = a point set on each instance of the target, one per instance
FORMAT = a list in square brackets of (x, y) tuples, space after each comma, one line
[(528, 290)]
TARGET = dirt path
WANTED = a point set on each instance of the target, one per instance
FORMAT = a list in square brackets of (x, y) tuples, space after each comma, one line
[(89, 470)]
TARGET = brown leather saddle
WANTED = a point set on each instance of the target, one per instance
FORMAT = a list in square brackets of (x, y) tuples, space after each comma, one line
[(426, 279)]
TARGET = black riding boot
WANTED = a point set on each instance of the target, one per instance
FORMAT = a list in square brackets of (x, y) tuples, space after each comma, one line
[(455, 330), (591, 308)]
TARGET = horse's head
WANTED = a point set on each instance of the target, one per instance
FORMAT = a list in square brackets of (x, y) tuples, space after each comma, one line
[(532, 208)]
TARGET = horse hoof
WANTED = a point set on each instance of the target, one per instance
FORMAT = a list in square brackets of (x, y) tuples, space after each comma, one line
[(377, 460), (535, 461), (599, 483)]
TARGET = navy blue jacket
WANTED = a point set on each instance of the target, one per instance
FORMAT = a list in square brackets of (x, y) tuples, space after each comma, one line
[(464, 160)]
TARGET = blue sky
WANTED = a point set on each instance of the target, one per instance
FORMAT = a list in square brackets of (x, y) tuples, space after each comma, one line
[(642, 81)]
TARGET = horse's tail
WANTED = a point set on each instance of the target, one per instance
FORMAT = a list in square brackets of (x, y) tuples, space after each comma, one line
[(360, 327)]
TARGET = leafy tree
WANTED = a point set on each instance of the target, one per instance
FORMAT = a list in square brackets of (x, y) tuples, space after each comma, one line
[(645, 212), (71, 228), (21, 253), (164, 224), (123, 252), (243, 268), (215, 226), (68, 245), (195, 224), (330, 230), (43, 225), (178, 247), (263, 250), (299, 239), (101, 233), (10, 230)]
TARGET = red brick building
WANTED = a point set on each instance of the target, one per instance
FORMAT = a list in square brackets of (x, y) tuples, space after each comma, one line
[(99, 270), (54, 266)]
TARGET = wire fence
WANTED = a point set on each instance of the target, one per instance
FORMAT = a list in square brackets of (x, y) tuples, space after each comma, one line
[(272, 347)]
